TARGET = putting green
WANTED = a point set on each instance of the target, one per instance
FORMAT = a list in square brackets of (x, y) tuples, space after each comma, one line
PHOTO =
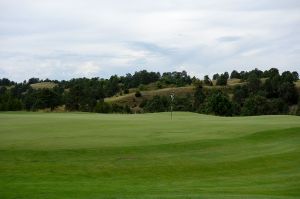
[(82, 155)]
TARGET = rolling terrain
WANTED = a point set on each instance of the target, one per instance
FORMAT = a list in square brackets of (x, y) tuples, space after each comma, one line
[(151, 91), (80, 155)]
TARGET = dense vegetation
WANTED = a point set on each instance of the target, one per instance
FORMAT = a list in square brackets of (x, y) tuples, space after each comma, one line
[(259, 93)]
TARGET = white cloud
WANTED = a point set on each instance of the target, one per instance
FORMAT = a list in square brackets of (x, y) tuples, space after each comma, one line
[(61, 39)]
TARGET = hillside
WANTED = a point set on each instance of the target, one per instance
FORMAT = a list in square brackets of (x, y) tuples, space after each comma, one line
[(241, 93), (42, 85), (151, 91), (133, 101), (75, 155)]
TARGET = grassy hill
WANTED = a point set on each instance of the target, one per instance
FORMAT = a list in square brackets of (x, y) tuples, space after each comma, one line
[(151, 91), (133, 101), (78, 155), (42, 85)]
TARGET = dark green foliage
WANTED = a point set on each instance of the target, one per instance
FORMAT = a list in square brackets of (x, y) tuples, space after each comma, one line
[(298, 109), (254, 83), (271, 73), (41, 99), (199, 97), (282, 87), (19, 90), (3, 90), (226, 74), (295, 75), (6, 82), (207, 81), (240, 93), (287, 76), (157, 104), (255, 105), (176, 78), (84, 93), (277, 106), (141, 77), (115, 108), (183, 104), (103, 107), (222, 80), (9, 103), (126, 91), (235, 75), (272, 86), (258, 105), (112, 86), (216, 76), (138, 94), (159, 85), (288, 93), (218, 103), (33, 80)]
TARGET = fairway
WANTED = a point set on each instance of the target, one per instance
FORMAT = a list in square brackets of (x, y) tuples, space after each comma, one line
[(91, 156)]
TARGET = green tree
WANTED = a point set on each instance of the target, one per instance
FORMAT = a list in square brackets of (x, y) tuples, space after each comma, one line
[(219, 104), (254, 83), (288, 92), (103, 107), (216, 76), (222, 80), (207, 81), (138, 94), (199, 97), (157, 104), (295, 75), (255, 105), (240, 93), (235, 75)]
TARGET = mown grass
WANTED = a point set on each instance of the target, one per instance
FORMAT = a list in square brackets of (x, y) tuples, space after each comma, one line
[(76, 155)]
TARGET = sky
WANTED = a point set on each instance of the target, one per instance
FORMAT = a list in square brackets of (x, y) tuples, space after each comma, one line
[(64, 39)]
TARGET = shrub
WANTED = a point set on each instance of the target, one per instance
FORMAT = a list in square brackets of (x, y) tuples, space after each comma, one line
[(218, 103), (103, 107), (255, 105), (222, 80), (138, 94)]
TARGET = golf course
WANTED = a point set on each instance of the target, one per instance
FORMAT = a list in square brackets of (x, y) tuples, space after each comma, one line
[(91, 156)]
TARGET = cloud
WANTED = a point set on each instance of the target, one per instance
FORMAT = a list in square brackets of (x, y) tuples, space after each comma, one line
[(65, 39), (229, 39)]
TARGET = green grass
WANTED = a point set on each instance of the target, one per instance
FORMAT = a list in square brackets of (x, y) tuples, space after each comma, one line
[(91, 156)]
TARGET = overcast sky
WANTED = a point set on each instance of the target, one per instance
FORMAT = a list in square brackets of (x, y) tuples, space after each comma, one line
[(62, 39)]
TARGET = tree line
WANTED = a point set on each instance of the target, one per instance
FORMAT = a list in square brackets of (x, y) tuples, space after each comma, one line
[(261, 92)]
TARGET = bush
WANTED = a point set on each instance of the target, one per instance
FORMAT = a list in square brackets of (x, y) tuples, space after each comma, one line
[(157, 104), (255, 105), (138, 94), (222, 80), (159, 85), (126, 91), (199, 97), (103, 107), (218, 103), (298, 110)]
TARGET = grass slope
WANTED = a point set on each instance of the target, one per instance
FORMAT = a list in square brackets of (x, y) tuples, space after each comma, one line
[(69, 155), (133, 101), (43, 85)]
